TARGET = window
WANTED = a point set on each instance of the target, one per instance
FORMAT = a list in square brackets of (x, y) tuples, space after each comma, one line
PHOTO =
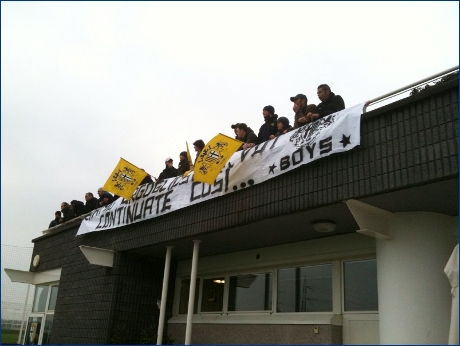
[(184, 293), (360, 285), (212, 297), (53, 297), (305, 289), (250, 292), (43, 308), (40, 298), (298, 289)]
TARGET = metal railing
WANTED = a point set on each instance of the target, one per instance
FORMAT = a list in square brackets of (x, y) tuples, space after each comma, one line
[(409, 86)]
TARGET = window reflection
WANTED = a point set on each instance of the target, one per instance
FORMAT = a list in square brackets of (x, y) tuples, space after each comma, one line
[(360, 285), (41, 295), (53, 297), (47, 329), (33, 330), (305, 289), (251, 292)]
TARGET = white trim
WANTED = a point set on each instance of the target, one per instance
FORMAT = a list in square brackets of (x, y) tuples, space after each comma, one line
[(262, 318)]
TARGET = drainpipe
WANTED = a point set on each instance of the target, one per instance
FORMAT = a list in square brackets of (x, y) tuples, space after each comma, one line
[(164, 295), (191, 296)]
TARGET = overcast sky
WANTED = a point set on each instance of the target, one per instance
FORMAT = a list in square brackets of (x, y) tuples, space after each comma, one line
[(85, 83)]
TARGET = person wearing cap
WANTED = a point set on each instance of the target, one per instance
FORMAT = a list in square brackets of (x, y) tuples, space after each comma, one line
[(330, 103), (169, 171), (301, 110), (247, 136), (184, 165), (283, 126), (269, 127)]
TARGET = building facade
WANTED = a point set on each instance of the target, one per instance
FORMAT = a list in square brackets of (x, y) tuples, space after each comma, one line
[(347, 249)]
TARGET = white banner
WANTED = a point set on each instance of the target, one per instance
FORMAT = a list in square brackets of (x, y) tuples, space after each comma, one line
[(332, 134)]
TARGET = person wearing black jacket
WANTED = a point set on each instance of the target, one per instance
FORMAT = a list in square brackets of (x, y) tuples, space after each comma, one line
[(78, 207), (169, 171), (269, 127), (246, 136), (91, 202), (104, 197), (184, 165), (67, 212), (57, 217), (330, 103)]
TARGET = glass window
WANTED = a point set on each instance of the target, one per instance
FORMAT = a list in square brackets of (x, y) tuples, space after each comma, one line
[(33, 330), (184, 293), (360, 285), (212, 298), (41, 296), (250, 292), (305, 289), (53, 297), (47, 330)]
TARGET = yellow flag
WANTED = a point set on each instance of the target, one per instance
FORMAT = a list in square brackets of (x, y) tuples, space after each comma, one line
[(124, 179), (189, 158), (213, 158)]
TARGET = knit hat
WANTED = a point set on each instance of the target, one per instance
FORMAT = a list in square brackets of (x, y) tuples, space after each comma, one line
[(284, 121), (269, 109)]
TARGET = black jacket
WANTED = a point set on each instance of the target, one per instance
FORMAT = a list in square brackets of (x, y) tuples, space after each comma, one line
[(68, 213), (55, 222), (168, 172), (146, 180), (91, 205), (184, 166), (101, 199), (78, 208), (268, 129), (334, 103)]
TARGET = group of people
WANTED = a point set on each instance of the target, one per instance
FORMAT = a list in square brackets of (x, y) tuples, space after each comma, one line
[(77, 208), (272, 127), (305, 113)]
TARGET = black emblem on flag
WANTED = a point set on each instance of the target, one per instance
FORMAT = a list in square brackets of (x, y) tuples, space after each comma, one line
[(124, 177), (212, 156), (306, 135)]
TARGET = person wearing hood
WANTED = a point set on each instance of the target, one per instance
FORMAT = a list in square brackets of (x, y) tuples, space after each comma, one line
[(184, 165), (330, 103), (283, 126), (269, 127), (169, 172)]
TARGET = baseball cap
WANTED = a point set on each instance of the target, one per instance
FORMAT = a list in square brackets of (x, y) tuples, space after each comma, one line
[(298, 96), (168, 159)]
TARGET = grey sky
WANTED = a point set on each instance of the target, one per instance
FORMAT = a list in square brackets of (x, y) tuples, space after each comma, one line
[(85, 83)]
